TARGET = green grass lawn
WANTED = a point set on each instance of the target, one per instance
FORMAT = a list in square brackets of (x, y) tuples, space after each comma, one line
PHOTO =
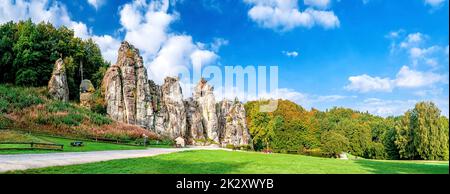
[(88, 145), (225, 162)]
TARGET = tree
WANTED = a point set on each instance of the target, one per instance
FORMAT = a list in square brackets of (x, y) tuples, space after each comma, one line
[(430, 139), (334, 143), (7, 39), (28, 53), (422, 133)]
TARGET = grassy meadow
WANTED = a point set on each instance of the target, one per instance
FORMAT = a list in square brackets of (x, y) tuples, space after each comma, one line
[(236, 162)]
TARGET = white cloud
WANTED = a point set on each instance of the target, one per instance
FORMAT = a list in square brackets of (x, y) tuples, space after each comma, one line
[(109, 47), (405, 78), (412, 40), (218, 43), (322, 4), (96, 3), (365, 83), (285, 15), (146, 26), (435, 3), (420, 52), (291, 53)]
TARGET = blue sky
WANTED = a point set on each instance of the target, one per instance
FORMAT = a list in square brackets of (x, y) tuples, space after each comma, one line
[(380, 56)]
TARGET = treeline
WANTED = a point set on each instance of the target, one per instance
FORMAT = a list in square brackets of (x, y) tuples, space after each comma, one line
[(420, 134), (28, 52)]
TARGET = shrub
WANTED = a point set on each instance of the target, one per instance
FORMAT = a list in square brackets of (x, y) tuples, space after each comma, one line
[(99, 119), (59, 106), (3, 105), (230, 146), (4, 122), (72, 119), (26, 77)]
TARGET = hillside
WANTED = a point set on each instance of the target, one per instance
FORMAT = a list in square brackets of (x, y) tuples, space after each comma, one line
[(29, 109)]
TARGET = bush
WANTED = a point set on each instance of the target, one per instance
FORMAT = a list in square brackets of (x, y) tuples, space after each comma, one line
[(230, 146), (26, 77), (59, 106), (3, 105), (72, 119), (4, 122), (99, 119)]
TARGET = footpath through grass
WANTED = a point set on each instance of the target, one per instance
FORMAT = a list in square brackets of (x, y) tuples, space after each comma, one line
[(226, 162)]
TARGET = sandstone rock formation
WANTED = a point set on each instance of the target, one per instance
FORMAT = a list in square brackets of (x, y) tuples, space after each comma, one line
[(86, 93), (57, 86), (173, 110), (132, 98), (232, 122), (195, 131), (126, 88), (204, 95)]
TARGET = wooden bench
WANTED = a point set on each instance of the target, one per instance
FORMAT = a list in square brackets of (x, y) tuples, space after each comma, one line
[(77, 144), (33, 146)]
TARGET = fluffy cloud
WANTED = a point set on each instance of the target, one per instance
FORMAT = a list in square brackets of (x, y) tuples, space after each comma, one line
[(365, 83), (416, 46), (96, 3), (146, 25), (412, 40), (405, 78), (109, 46), (285, 15)]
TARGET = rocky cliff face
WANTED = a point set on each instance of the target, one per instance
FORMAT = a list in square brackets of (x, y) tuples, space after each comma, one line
[(57, 86), (232, 122), (126, 88), (204, 96), (133, 99), (173, 109), (195, 126)]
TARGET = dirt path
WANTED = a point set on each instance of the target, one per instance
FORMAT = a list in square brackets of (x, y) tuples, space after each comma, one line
[(28, 161)]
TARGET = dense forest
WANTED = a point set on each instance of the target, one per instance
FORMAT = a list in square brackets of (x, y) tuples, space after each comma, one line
[(29, 51), (420, 134)]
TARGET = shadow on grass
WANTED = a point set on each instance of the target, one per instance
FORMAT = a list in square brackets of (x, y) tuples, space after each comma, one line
[(393, 167)]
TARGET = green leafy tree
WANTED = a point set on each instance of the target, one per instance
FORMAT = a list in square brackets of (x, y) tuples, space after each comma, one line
[(422, 133), (7, 40), (430, 137), (334, 143)]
